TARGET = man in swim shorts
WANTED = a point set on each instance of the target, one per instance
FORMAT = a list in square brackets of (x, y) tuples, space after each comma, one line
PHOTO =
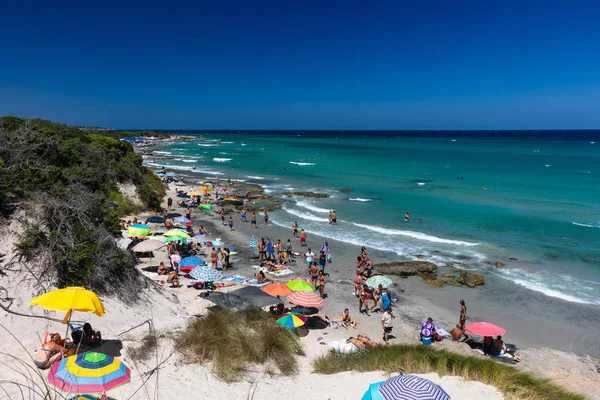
[(266, 218), (244, 215), (333, 218), (230, 223), (406, 217), (308, 258), (302, 238), (253, 221)]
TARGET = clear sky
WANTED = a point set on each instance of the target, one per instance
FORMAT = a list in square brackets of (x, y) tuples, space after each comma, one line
[(303, 64)]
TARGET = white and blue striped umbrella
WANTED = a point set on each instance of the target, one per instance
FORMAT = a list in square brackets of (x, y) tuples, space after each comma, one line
[(182, 220), (205, 274), (252, 242), (407, 387)]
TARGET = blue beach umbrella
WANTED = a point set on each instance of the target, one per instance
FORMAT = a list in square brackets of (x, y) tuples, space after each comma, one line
[(155, 219), (192, 261), (252, 242), (171, 174), (160, 174), (183, 196), (205, 274), (406, 387)]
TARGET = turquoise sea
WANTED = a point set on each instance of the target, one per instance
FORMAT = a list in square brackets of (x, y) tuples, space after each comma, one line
[(541, 205)]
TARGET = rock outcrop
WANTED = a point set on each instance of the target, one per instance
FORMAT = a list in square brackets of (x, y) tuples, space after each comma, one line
[(471, 279), (406, 268)]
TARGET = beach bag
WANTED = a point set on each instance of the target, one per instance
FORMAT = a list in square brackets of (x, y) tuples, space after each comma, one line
[(77, 336), (329, 258), (426, 340), (209, 243)]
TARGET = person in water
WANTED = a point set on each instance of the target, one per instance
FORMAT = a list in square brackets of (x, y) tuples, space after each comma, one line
[(333, 218), (406, 217)]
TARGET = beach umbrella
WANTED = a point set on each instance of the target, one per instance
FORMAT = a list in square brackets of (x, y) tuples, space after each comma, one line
[(88, 373), (171, 174), (205, 189), (194, 194), (199, 236), (375, 281), (181, 220), (173, 215), (69, 299), (485, 329), (291, 320), (205, 273), (405, 387), (147, 245), (156, 219), (183, 196), (175, 258), (252, 242), (277, 289), (177, 233), (192, 261), (138, 230), (160, 174), (298, 285), (306, 299)]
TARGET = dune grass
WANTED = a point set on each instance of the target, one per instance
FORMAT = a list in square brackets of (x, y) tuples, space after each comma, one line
[(422, 359), (232, 342)]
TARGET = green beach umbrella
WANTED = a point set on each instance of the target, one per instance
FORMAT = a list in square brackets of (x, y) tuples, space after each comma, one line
[(375, 281), (298, 285)]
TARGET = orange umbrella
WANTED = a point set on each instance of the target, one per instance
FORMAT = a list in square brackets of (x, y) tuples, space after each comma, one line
[(277, 289)]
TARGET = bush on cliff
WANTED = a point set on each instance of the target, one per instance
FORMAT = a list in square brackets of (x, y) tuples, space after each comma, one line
[(62, 177)]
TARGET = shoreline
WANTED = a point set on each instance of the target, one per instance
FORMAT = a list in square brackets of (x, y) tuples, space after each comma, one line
[(524, 316)]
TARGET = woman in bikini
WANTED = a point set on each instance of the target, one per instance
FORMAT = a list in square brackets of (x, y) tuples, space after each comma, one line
[(322, 284), (50, 353), (367, 341), (377, 298), (358, 282)]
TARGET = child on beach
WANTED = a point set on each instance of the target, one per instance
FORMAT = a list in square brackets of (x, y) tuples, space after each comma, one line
[(253, 220), (230, 223)]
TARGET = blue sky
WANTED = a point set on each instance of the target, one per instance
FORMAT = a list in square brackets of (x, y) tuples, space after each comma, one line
[(303, 65)]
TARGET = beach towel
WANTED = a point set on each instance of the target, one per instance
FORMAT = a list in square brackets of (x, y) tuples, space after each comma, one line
[(282, 272), (254, 282), (340, 346)]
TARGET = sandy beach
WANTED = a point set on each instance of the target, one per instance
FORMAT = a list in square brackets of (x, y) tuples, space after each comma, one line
[(169, 308)]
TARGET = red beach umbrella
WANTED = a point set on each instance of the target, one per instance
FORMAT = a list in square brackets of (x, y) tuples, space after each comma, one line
[(306, 299), (485, 329)]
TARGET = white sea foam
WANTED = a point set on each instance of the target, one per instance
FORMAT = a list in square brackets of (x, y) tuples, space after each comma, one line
[(592, 225), (309, 206), (189, 160), (454, 140), (360, 199), (162, 152), (216, 159), (254, 177), (575, 290), (303, 215), (227, 142), (207, 144), (415, 235), (548, 165), (302, 163), (421, 183), (243, 144)]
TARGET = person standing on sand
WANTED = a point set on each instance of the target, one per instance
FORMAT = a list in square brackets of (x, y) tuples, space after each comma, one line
[(262, 246), (302, 238), (406, 217), (253, 220), (322, 284), (288, 251), (266, 218), (313, 270), (386, 324), (295, 228), (244, 215), (188, 213), (270, 250), (169, 203), (213, 258), (230, 223), (463, 315), (222, 216), (308, 259)]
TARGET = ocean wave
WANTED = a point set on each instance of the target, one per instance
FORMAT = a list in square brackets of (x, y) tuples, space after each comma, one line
[(309, 206), (592, 225), (360, 199), (414, 235), (305, 216), (254, 177), (216, 159), (421, 183), (302, 163), (575, 291), (161, 152), (227, 142), (224, 153), (189, 160), (244, 144), (207, 144)]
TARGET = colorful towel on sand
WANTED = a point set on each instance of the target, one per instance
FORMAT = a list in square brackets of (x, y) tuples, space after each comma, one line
[(235, 278), (282, 272)]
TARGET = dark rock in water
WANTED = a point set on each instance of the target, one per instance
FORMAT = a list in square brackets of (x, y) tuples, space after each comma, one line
[(345, 190), (453, 282), (435, 282), (499, 264), (405, 268), (225, 203), (456, 265), (307, 194), (471, 279), (435, 252), (448, 275), (420, 256), (268, 208), (464, 258), (512, 259)]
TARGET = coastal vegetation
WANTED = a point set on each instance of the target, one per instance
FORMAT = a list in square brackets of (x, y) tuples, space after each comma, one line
[(422, 359), (56, 181), (232, 342)]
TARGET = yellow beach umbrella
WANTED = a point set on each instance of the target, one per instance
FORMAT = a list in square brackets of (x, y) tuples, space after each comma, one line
[(205, 189), (69, 299), (194, 194), (176, 232)]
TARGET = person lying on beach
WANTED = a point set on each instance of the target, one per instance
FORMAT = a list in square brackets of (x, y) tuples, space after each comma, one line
[(271, 266), (346, 319), (366, 340), (355, 342), (457, 333), (51, 352)]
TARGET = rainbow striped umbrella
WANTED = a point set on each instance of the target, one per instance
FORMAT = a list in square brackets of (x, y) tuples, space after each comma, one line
[(88, 373), (291, 320)]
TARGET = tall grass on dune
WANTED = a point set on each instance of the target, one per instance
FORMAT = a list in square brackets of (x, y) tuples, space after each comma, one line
[(232, 342), (422, 359)]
